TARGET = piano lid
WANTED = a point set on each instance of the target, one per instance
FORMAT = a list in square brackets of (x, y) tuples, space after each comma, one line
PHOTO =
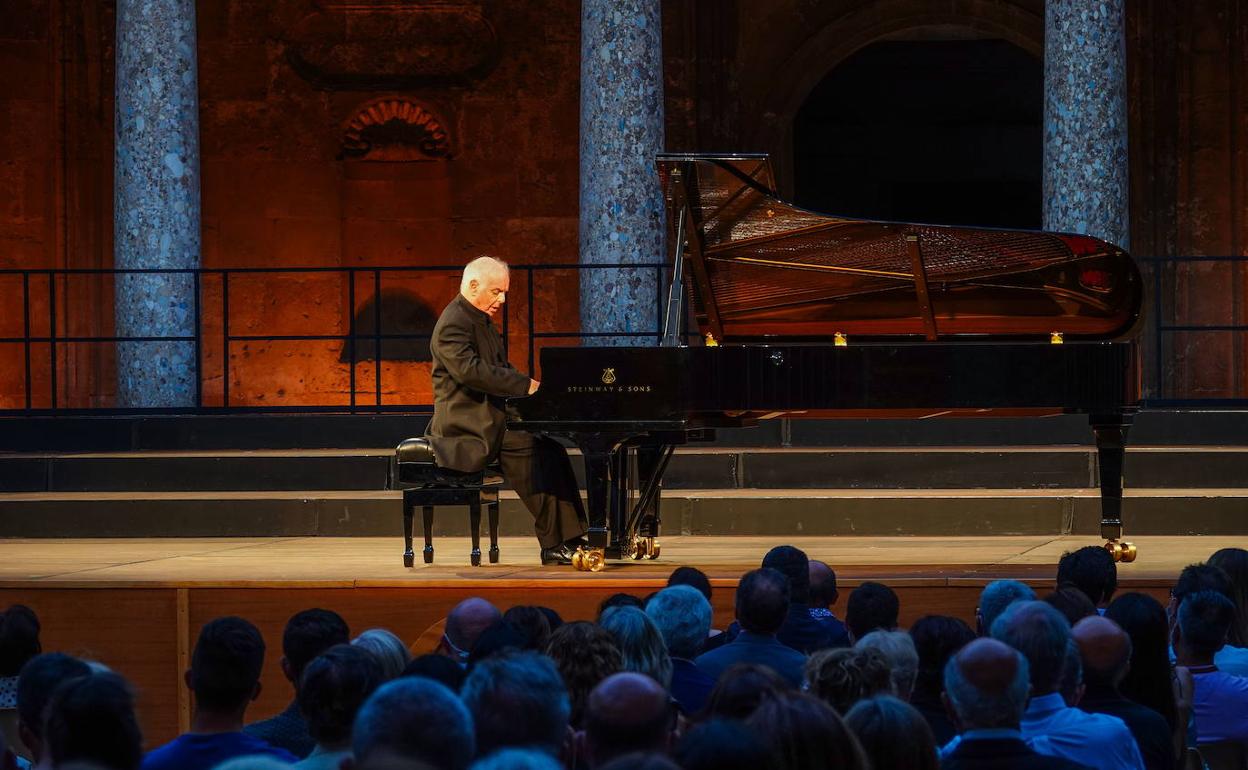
[(760, 268)]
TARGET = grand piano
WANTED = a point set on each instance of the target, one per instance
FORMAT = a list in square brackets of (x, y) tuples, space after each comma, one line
[(776, 311)]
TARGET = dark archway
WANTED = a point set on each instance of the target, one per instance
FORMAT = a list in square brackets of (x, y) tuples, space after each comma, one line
[(925, 131)]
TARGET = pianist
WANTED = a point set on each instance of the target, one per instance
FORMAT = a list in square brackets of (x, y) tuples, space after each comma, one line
[(471, 379)]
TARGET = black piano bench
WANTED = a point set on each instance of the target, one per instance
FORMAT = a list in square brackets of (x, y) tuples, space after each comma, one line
[(414, 470)]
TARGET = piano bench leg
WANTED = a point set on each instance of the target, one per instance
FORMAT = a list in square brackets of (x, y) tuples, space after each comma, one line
[(427, 515), (493, 516), (409, 513), (474, 528)]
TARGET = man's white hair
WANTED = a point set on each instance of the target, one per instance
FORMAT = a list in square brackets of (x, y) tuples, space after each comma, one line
[(481, 270)]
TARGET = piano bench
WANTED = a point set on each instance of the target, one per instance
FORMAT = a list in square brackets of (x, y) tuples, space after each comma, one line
[(414, 470)]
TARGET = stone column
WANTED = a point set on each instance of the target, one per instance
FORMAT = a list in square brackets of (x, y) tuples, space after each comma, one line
[(1085, 119), (156, 200), (621, 205)]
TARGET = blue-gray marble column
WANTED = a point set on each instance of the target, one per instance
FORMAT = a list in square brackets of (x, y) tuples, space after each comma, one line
[(621, 205), (156, 200), (1085, 119)]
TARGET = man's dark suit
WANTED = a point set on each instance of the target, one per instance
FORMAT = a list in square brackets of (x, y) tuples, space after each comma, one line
[(471, 380), (1149, 728), (1002, 754), (754, 648)]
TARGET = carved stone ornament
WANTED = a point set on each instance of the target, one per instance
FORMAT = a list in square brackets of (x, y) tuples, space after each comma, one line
[(395, 130)]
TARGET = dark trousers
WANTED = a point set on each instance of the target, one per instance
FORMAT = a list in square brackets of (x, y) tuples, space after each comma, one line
[(541, 473)]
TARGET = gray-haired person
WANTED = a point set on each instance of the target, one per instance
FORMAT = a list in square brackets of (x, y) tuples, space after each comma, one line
[(993, 600), (903, 660), (412, 722), (518, 700), (683, 616)]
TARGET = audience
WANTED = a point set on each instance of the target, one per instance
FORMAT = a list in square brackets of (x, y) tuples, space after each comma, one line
[(387, 649), (871, 607), (842, 677), (740, 689), (502, 637), (307, 634), (90, 719), (800, 630), (1092, 571), (1053, 728), (517, 700), (619, 600), (225, 679), (936, 639), (682, 616), (1072, 603), (531, 622), (1234, 562), (903, 660), (692, 577), (585, 654), (39, 679), (993, 600), (893, 734), (19, 643), (762, 605), (722, 744), (1219, 699), (803, 732), (412, 722), (8, 760), (1201, 577), (627, 712), (518, 759), (439, 668), (332, 689), (823, 595), (1148, 680), (464, 625), (641, 644), (1105, 652)]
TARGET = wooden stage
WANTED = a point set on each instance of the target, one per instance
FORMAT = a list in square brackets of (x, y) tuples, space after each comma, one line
[(137, 604)]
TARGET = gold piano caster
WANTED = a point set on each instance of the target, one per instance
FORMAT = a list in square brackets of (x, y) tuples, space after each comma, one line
[(636, 550), (652, 548), (589, 559), (1121, 550)]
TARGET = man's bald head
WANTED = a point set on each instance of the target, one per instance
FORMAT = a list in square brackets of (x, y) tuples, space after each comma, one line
[(626, 712), (986, 683), (1104, 648), (823, 591), (467, 621)]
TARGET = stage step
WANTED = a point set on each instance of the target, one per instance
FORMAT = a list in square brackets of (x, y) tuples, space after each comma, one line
[(1024, 467), (777, 512)]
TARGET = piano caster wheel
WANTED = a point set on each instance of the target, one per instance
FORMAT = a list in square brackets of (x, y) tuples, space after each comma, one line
[(636, 550), (1121, 551), (589, 559), (409, 559), (493, 556), (428, 554), (652, 549), (475, 558)]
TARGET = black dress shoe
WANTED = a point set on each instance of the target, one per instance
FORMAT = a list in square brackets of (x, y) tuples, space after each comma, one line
[(560, 554)]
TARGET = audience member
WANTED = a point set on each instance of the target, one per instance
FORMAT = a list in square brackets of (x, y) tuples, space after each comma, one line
[(1148, 680), (986, 686), (531, 622), (722, 744), (936, 639), (871, 607), (625, 713), (331, 691), (498, 639), (1234, 562), (842, 677), (585, 654), (1071, 683), (893, 734), (619, 600), (464, 625), (1105, 650), (740, 689), (823, 595), (517, 759), (1220, 699), (412, 722), (39, 679), (903, 660), (801, 631), (1072, 603), (90, 719), (692, 577), (439, 668), (307, 634), (641, 645), (258, 762), (518, 700), (1042, 635), (19, 643), (641, 760), (993, 600), (1201, 577), (225, 678), (683, 617), (552, 617), (762, 604), (387, 649), (804, 732), (1092, 570)]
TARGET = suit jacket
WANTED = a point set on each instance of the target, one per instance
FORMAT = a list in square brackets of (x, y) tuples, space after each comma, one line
[(755, 648), (1002, 754), (1149, 728), (471, 380), (803, 632)]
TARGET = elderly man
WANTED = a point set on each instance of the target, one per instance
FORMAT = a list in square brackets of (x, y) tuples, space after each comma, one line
[(471, 380), (683, 617), (627, 712)]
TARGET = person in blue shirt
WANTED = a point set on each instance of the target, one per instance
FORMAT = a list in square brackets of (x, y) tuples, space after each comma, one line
[(762, 604), (683, 617), (225, 678)]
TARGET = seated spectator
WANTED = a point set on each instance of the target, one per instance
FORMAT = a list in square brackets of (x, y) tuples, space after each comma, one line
[(842, 677), (254, 763), (903, 660), (823, 595), (762, 605), (439, 668), (1092, 571), (986, 684), (585, 654), (552, 618), (517, 700), (871, 607), (412, 722), (464, 625), (531, 622), (627, 712), (1148, 680), (90, 719), (893, 734), (1105, 650), (641, 760), (1042, 635), (8, 760), (1233, 658), (800, 631), (993, 600), (722, 744), (39, 679), (1072, 603), (740, 689), (387, 649), (225, 678), (307, 634), (619, 600), (1201, 577), (517, 759), (498, 639), (640, 643), (19, 643), (697, 579), (1071, 683), (804, 732), (683, 618), (1219, 700), (334, 686), (936, 639)]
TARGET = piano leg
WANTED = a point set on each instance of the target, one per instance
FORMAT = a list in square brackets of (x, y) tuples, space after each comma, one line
[(1111, 440), (598, 454)]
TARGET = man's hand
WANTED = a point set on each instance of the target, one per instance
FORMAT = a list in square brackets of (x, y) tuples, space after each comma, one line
[(533, 386)]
